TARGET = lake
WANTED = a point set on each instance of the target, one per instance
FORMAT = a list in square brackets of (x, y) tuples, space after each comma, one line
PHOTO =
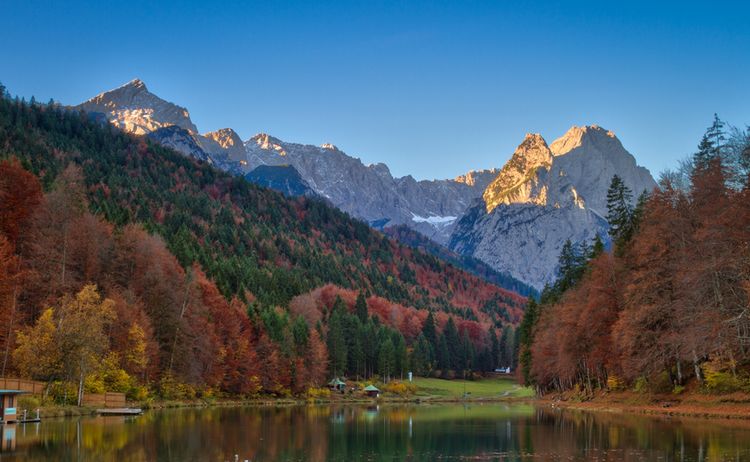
[(471, 432)]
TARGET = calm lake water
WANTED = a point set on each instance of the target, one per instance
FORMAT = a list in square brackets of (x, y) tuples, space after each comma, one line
[(473, 432)]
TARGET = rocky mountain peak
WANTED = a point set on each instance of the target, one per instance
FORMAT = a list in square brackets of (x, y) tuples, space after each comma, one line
[(533, 150), (330, 147), (512, 183), (478, 178), (266, 142), (133, 108), (544, 196), (136, 84), (588, 157), (578, 136), (230, 141)]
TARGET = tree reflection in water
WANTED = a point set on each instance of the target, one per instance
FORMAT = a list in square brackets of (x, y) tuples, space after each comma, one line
[(378, 433)]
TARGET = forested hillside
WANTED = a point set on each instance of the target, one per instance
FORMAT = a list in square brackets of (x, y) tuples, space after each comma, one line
[(416, 240), (184, 278), (669, 306)]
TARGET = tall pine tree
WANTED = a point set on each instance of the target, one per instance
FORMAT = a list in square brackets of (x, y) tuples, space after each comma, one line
[(360, 307), (619, 210)]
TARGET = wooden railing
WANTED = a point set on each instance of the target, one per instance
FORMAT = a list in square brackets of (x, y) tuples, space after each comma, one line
[(109, 399), (31, 386)]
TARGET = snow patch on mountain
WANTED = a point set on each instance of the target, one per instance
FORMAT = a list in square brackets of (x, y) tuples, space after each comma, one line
[(433, 220)]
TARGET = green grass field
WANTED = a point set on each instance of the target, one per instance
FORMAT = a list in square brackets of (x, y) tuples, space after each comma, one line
[(496, 387)]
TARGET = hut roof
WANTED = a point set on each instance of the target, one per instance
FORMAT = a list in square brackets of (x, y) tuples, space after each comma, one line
[(371, 388), (336, 382)]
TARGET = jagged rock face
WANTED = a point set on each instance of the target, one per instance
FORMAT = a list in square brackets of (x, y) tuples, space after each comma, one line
[(478, 178), (588, 157), (133, 108), (524, 240), (543, 196), (230, 142), (370, 192), (517, 181), (180, 140), (282, 178)]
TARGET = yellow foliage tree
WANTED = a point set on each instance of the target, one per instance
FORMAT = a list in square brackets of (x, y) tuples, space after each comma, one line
[(67, 341), (82, 334), (109, 376), (38, 355), (135, 358)]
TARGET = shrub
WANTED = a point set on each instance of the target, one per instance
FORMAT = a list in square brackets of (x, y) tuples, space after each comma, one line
[(171, 389), (661, 383), (137, 393), (317, 393), (94, 384), (641, 385), (29, 403), (400, 388), (719, 379), (615, 383), (721, 382), (109, 376), (208, 394), (63, 393)]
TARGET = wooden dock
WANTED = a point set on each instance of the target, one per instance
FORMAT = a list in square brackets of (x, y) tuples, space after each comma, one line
[(120, 411)]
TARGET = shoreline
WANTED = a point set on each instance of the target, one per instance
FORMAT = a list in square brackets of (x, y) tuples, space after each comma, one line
[(735, 406), (75, 411)]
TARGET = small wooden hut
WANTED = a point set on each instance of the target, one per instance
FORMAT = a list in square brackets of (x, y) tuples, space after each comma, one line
[(372, 391), (337, 385), (8, 403)]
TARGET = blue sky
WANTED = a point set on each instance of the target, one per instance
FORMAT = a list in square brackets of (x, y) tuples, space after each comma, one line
[(433, 89)]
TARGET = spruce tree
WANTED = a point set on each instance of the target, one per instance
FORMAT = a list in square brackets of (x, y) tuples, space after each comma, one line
[(454, 344), (429, 331), (336, 340), (443, 355), (466, 357), (506, 345), (597, 247), (526, 339), (301, 334), (386, 361), (494, 353), (711, 145), (516, 348), (360, 307), (619, 210), (421, 358), (399, 355)]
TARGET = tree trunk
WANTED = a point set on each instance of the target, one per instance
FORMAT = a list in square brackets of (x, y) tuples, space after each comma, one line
[(80, 389), (8, 339), (732, 364), (697, 367), (182, 314), (64, 258)]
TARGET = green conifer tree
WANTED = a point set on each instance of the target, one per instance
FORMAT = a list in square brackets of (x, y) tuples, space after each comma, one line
[(619, 210), (360, 307)]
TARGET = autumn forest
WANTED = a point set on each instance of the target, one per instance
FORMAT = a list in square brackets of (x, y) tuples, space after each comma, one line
[(667, 308), (125, 266)]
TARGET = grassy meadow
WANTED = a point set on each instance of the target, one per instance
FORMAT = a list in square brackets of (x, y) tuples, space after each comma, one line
[(494, 387)]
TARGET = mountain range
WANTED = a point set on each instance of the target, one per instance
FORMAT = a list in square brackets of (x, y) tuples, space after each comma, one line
[(515, 218)]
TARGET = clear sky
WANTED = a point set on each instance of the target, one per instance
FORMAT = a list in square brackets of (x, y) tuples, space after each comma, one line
[(433, 89)]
